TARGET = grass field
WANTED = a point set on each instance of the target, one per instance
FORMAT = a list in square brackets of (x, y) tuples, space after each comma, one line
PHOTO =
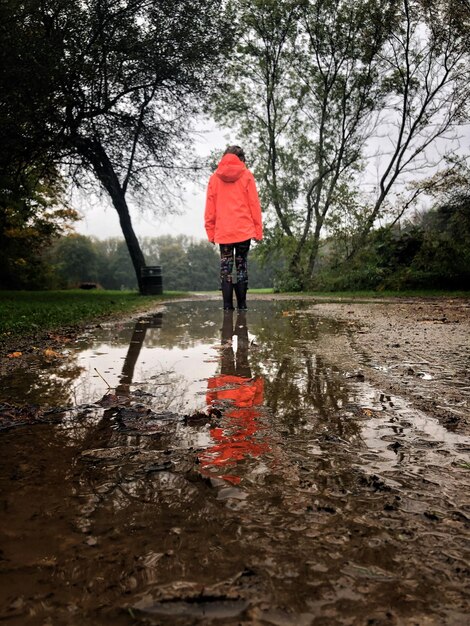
[(24, 312)]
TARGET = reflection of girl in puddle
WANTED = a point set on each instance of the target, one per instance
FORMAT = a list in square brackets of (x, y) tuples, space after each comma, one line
[(236, 440)]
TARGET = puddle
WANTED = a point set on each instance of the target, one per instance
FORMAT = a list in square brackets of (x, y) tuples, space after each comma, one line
[(306, 497)]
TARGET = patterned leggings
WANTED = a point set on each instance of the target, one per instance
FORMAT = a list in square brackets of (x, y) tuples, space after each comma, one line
[(226, 261)]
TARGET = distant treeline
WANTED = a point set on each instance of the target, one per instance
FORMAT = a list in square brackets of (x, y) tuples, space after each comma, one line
[(187, 264), (428, 251)]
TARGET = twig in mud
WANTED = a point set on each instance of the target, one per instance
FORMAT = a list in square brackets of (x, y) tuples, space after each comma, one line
[(104, 379)]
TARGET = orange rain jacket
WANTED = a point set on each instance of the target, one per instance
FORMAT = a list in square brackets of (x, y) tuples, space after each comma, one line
[(233, 212)]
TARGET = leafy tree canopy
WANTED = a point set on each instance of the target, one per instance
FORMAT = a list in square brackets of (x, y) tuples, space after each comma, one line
[(32, 214), (313, 85), (106, 86)]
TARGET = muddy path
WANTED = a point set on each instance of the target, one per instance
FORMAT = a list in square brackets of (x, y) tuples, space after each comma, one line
[(416, 348), (328, 486)]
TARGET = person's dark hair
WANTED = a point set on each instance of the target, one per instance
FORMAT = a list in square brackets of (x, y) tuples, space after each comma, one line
[(237, 151)]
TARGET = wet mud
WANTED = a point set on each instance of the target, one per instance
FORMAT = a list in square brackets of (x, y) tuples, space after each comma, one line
[(196, 467)]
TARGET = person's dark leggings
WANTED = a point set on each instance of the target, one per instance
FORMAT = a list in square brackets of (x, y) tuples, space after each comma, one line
[(227, 253)]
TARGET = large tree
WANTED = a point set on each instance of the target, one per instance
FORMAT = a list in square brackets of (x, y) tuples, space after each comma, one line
[(313, 84), (116, 81), (32, 208)]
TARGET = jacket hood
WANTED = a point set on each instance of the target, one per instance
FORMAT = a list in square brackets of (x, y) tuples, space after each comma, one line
[(230, 168)]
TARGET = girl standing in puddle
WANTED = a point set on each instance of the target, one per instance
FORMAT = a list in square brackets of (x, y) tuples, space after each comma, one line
[(232, 219)]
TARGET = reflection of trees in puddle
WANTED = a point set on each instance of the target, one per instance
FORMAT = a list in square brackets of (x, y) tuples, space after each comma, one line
[(135, 346), (171, 388), (166, 386), (306, 391), (188, 325), (127, 470), (301, 387), (42, 383), (297, 386)]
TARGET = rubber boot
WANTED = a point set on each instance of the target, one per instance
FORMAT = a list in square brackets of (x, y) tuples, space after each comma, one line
[(241, 331), (227, 294), (240, 292), (227, 357)]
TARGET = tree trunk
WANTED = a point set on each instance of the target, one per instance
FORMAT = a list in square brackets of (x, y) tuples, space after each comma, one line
[(135, 252), (94, 152), (315, 247), (295, 265)]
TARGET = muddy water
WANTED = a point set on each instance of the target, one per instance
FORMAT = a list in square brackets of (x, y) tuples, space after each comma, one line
[(313, 498)]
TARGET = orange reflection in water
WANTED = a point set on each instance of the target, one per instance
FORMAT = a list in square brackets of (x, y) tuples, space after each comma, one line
[(239, 437)]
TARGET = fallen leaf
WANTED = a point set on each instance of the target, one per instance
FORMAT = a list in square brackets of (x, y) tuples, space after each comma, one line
[(112, 401), (52, 354), (14, 355)]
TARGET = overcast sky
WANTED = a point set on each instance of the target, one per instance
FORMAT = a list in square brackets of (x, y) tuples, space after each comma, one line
[(101, 220)]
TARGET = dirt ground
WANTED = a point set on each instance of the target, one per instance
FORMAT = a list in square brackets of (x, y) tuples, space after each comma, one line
[(416, 348)]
